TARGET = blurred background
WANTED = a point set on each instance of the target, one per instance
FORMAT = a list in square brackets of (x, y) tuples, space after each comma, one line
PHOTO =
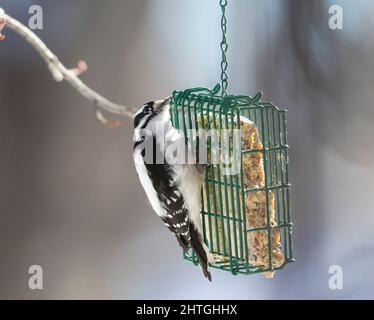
[(70, 198)]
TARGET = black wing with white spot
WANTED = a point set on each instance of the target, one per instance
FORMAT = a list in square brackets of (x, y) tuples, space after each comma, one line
[(171, 199), (177, 220)]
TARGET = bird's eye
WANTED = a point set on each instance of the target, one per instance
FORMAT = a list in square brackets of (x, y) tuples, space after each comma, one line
[(148, 110)]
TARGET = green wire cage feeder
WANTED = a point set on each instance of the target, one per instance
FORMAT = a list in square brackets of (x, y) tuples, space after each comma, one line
[(245, 202)]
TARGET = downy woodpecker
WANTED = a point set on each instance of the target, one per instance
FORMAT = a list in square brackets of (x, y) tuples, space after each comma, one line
[(172, 185)]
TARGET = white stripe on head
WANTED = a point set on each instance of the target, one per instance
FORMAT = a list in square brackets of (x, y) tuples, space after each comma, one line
[(140, 110)]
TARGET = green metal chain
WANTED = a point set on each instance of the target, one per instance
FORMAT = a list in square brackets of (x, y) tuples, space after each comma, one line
[(224, 47)]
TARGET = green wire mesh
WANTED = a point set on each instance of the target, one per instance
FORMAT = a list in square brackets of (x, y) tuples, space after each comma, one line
[(224, 211), (231, 202)]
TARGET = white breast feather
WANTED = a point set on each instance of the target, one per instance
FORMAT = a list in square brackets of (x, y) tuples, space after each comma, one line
[(188, 179)]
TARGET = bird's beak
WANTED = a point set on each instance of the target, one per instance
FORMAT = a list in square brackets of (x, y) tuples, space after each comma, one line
[(161, 104), (168, 100)]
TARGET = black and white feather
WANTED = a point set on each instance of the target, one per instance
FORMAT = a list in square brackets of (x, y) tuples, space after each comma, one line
[(172, 187)]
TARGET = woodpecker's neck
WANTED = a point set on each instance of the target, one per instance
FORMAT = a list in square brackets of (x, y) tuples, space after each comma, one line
[(152, 144)]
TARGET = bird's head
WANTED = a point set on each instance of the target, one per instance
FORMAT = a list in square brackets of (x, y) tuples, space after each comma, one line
[(152, 113)]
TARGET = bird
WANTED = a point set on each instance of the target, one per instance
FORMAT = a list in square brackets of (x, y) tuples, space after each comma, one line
[(171, 184)]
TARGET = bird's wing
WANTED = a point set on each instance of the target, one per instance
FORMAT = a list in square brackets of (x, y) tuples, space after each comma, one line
[(175, 214), (177, 219)]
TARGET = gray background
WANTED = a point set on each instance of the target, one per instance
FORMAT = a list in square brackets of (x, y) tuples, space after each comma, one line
[(70, 199)]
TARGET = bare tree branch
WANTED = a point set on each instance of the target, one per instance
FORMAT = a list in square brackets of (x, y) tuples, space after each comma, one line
[(60, 72)]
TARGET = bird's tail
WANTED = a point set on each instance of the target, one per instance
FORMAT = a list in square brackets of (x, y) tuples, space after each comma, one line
[(201, 251)]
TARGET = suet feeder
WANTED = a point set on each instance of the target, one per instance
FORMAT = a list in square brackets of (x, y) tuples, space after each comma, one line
[(245, 209)]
